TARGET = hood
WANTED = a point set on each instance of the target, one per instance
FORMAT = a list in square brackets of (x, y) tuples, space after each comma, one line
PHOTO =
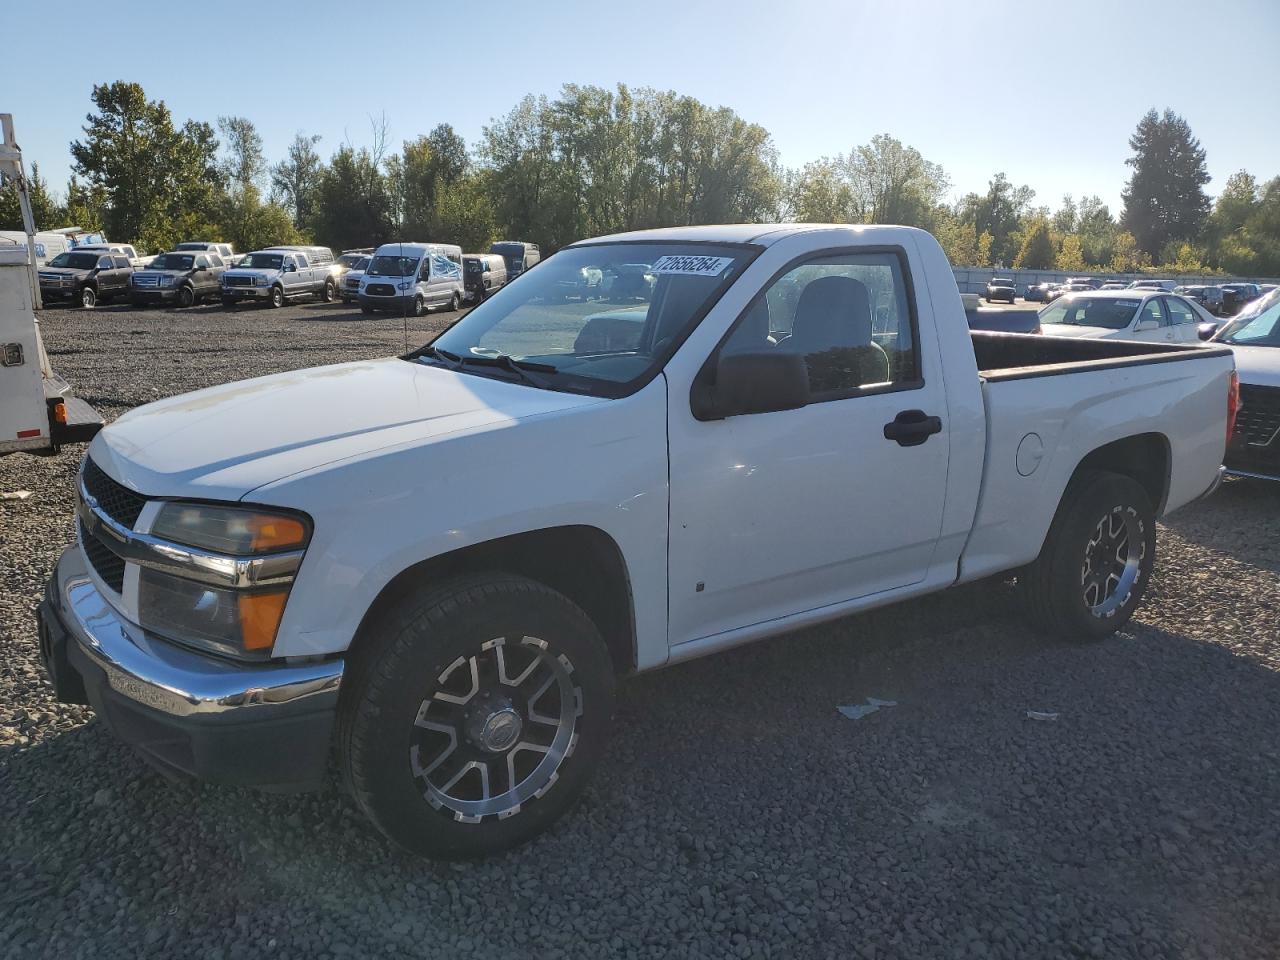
[(164, 271), (221, 443), (1001, 286), (1077, 332), (250, 272), (63, 271), (1256, 365)]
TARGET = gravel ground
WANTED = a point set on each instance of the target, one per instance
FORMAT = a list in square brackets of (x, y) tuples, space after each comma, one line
[(739, 814)]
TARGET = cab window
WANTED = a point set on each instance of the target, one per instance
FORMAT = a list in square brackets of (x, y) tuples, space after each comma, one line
[(849, 316), (1152, 311)]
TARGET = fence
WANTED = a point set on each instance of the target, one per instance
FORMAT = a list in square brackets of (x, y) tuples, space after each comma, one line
[(974, 279)]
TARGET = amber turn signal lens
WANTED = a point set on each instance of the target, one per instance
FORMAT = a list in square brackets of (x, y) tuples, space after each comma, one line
[(260, 615), (276, 533), (60, 413)]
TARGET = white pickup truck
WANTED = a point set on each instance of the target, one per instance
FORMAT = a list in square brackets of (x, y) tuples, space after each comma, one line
[(439, 563)]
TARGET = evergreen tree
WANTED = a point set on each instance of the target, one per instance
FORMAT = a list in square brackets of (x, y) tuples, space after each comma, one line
[(1037, 251), (1165, 199)]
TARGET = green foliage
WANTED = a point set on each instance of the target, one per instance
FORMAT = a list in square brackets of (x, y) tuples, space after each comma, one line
[(1164, 199), (999, 212), (45, 210), (296, 179), (1128, 257), (1071, 254), (161, 183), (464, 213), (820, 193), (353, 203), (1037, 251)]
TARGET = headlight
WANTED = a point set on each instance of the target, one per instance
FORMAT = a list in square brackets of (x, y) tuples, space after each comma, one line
[(259, 281), (239, 619), (167, 281), (403, 286)]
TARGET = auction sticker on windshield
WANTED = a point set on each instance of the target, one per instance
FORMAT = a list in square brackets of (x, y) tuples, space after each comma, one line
[(691, 266)]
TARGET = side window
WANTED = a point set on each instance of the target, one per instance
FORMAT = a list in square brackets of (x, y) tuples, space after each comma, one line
[(104, 263), (202, 261), (425, 272), (121, 263), (1179, 312), (302, 260), (847, 314), (1152, 311)]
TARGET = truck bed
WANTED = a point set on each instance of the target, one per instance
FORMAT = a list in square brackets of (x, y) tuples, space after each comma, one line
[(1016, 356)]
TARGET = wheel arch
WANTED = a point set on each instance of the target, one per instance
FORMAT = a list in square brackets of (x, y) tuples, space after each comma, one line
[(582, 562), (1144, 457)]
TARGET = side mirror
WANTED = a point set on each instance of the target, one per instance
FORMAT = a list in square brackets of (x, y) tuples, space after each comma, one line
[(1146, 325), (201, 269), (762, 382), (1206, 331)]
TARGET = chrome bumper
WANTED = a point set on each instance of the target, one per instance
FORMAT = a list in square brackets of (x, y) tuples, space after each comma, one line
[(1217, 482), (160, 676)]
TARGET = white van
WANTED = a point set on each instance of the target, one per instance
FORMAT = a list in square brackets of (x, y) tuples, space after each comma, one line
[(412, 278), (48, 244)]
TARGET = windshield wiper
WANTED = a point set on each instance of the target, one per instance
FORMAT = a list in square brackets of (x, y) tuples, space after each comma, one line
[(523, 369), (450, 360)]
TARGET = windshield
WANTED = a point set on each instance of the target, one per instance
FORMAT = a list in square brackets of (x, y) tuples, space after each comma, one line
[(1260, 329), (191, 245), (605, 339), (361, 264), (77, 261), (1113, 313), (351, 259), (472, 266), (1001, 282), (263, 261), (173, 261), (392, 267)]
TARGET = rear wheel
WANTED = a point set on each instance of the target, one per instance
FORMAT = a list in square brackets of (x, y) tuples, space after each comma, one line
[(474, 715), (186, 296), (455, 302), (1096, 561), (88, 298)]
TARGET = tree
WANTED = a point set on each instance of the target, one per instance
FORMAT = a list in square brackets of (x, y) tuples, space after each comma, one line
[(295, 179), (998, 212), (893, 183), (45, 210), (1070, 254), (1037, 251), (352, 202), (449, 158), (464, 213), (1066, 219), (1164, 199), (160, 183), (1128, 257), (819, 193)]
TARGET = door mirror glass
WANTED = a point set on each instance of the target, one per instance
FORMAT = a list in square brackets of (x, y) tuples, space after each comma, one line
[(761, 382)]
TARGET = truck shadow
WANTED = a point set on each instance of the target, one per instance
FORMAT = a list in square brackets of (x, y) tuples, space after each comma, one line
[(1214, 524), (738, 773)]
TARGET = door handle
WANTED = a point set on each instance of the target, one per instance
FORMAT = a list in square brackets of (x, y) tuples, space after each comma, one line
[(911, 428)]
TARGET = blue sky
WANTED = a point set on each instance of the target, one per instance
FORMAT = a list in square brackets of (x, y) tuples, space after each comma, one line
[(1046, 92)]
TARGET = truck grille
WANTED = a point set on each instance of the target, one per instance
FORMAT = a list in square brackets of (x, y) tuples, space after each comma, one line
[(146, 280), (105, 562), (53, 278), (380, 290), (353, 283), (1259, 419), (114, 499), (237, 281)]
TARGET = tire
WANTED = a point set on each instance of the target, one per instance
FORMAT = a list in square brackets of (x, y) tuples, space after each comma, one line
[(329, 291), (419, 306), (88, 298), (186, 296), (1063, 590), (366, 310), (277, 297), (455, 302), (422, 657)]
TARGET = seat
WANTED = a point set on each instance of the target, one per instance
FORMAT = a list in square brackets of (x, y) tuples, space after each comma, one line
[(833, 329)]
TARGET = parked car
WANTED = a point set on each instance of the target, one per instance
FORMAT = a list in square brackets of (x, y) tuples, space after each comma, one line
[(1114, 285), (1038, 293), (751, 464), (126, 250), (1077, 286), (1208, 297), (1254, 338), (1236, 295), (482, 274), (349, 286), (346, 261), (86, 277), (223, 250), (1053, 292), (1001, 288), (518, 254), (1165, 286), (1122, 315), (412, 278), (184, 277), (279, 274), (1082, 283)]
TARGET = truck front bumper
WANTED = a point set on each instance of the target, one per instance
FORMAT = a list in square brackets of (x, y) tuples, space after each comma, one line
[(246, 293), (153, 294), (265, 725)]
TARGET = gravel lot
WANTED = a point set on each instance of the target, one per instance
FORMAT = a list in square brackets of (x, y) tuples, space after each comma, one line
[(739, 813)]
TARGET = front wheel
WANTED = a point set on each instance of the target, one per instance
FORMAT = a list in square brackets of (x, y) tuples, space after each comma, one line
[(329, 291), (419, 306), (186, 297), (366, 310), (277, 297), (474, 715), (455, 302), (88, 298), (1096, 562)]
